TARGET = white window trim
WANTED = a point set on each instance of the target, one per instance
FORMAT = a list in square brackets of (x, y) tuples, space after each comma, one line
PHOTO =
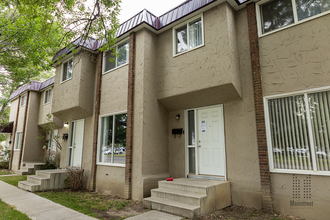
[(187, 23), (117, 67), (268, 135), (45, 94), (295, 16), (20, 102), (99, 141), (62, 69)]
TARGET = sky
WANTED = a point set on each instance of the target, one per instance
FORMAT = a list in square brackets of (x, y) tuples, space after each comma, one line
[(129, 8)]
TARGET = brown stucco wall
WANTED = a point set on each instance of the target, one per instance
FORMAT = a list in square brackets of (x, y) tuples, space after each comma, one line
[(293, 59), (207, 75), (32, 150), (150, 152), (73, 99)]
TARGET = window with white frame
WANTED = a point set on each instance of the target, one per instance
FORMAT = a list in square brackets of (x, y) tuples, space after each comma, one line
[(67, 69), (47, 97), (276, 14), (111, 61), (22, 101), (18, 140), (112, 139), (189, 35), (298, 132)]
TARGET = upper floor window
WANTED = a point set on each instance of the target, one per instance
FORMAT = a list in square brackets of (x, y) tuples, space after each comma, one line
[(280, 13), (67, 70), (111, 61), (22, 101), (189, 35), (47, 96), (298, 132)]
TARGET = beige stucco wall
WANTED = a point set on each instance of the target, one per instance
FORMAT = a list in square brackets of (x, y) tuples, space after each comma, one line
[(150, 152), (240, 129), (45, 109), (207, 75), (293, 59), (73, 99), (110, 180), (32, 149), (15, 160), (13, 110)]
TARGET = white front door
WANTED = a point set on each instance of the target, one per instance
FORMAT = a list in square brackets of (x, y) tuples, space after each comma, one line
[(76, 142), (208, 143)]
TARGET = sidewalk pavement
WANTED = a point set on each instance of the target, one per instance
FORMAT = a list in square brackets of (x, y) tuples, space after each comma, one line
[(155, 215), (37, 207)]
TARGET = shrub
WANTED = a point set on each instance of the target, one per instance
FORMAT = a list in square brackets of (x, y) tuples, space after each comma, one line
[(4, 165), (74, 178)]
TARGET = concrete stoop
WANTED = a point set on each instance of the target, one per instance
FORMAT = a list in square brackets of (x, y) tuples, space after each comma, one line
[(29, 168), (44, 180), (189, 197)]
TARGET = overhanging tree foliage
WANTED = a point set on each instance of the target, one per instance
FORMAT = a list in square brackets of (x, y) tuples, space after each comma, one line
[(31, 32)]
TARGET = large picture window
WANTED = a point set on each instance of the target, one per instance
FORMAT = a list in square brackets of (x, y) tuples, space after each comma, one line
[(280, 13), (189, 35), (67, 70), (298, 132), (18, 141), (111, 61), (112, 139)]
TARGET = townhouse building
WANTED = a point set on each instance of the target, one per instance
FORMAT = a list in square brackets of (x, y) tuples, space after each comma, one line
[(212, 90)]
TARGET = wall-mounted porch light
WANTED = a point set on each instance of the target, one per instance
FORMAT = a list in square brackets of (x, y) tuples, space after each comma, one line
[(177, 117), (66, 124)]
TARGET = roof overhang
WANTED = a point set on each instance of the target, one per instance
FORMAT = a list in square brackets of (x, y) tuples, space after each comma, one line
[(7, 128)]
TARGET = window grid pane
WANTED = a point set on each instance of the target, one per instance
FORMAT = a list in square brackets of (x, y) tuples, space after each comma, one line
[(110, 61), (122, 54), (289, 133), (182, 41), (195, 33), (309, 8)]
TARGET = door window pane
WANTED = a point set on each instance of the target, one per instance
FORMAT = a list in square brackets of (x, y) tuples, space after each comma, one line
[(191, 127), (276, 14), (289, 133), (192, 160)]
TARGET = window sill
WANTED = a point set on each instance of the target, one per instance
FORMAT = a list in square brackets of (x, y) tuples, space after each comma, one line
[(47, 103), (302, 172), (292, 25), (17, 149), (110, 164), (178, 54), (65, 80), (115, 69)]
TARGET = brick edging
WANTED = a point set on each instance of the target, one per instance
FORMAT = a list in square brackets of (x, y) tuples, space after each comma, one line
[(13, 138), (23, 132), (129, 129), (267, 201), (96, 120)]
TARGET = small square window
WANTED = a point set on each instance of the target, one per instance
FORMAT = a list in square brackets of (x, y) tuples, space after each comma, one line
[(111, 61), (18, 141), (47, 96), (67, 70), (189, 35), (22, 101)]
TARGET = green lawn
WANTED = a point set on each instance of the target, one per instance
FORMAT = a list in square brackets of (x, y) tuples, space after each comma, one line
[(5, 173), (9, 213), (13, 180), (84, 202)]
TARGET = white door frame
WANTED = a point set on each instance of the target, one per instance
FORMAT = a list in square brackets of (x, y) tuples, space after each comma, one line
[(197, 175), (69, 139)]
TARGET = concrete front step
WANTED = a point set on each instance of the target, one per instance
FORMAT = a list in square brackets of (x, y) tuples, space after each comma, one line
[(170, 206), (44, 180), (29, 168), (188, 198)]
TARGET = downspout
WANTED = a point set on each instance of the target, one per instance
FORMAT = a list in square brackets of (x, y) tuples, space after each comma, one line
[(14, 136), (96, 119), (129, 128), (23, 133), (266, 193)]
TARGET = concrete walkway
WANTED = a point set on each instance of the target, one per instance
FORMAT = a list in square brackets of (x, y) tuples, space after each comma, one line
[(155, 215), (35, 206)]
